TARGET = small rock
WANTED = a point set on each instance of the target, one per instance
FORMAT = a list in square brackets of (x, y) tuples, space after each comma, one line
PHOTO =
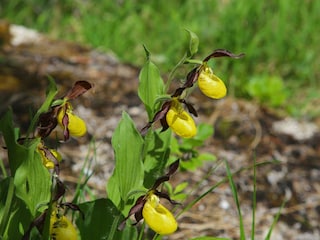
[(299, 130)]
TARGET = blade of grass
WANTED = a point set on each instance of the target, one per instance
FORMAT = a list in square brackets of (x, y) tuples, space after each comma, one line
[(84, 176), (224, 180), (254, 197), (235, 196), (275, 220)]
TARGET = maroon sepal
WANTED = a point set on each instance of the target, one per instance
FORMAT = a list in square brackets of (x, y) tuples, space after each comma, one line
[(161, 114), (190, 108), (136, 209), (38, 223), (46, 123), (222, 53), (166, 196), (172, 169), (79, 88), (65, 123)]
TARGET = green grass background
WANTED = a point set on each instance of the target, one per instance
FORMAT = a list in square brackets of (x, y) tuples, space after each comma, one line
[(280, 39)]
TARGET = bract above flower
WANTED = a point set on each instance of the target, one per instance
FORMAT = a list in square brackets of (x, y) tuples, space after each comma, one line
[(180, 121), (210, 84), (159, 218)]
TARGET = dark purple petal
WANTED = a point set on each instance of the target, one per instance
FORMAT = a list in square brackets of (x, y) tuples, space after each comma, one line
[(73, 207), (164, 124), (166, 196), (190, 108), (192, 77), (158, 116), (222, 53), (46, 123), (60, 190), (38, 222), (136, 209), (172, 169), (79, 88), (160, 180), (65, 123), (145, 129), (178, 92)]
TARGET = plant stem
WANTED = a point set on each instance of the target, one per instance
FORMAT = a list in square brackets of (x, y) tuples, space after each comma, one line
[(254, 197), (170, 78)]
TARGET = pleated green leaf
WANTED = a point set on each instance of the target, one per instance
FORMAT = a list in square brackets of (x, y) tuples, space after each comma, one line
[(128, 174), (151, 86), (32, 180), (101, 221)]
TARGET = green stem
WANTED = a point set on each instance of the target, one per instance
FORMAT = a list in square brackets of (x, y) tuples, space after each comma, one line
[(254, 198), (170, 78), (5, 218), (113, 228), (3, 169), (141, 231)]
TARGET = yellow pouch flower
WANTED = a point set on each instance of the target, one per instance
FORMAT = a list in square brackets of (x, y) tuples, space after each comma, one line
[(180, 121), (159, 218), (76, 126), (62, 229), (46, 160), (210, 84)]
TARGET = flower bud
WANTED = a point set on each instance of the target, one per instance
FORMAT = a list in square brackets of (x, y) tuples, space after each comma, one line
[(159, 218), (210, 84), (180, 121)]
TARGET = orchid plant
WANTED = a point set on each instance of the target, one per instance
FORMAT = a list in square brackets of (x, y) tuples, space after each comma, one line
[(35, 191)]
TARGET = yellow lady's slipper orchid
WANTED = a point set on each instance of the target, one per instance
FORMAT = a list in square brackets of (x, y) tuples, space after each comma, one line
[(180, 121), (46, 160), (158, 217), (76, 126), (61, 228), (210, 84)]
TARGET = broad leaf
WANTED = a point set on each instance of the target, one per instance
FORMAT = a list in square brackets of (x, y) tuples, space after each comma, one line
[(128, 174), (193, 43), (151, 86), (101, 220), (156, 155), (31, 179)]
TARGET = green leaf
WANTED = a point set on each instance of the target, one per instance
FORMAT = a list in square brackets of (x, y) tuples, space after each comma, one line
[(151, 86), (128, 174), (31, 179), (13, 213), (204, 132), (193, 43), (157, 155), (180, 187), (101, 221), (206, 157)]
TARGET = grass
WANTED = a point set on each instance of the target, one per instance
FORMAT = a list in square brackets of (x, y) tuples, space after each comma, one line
[(279, 38)]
